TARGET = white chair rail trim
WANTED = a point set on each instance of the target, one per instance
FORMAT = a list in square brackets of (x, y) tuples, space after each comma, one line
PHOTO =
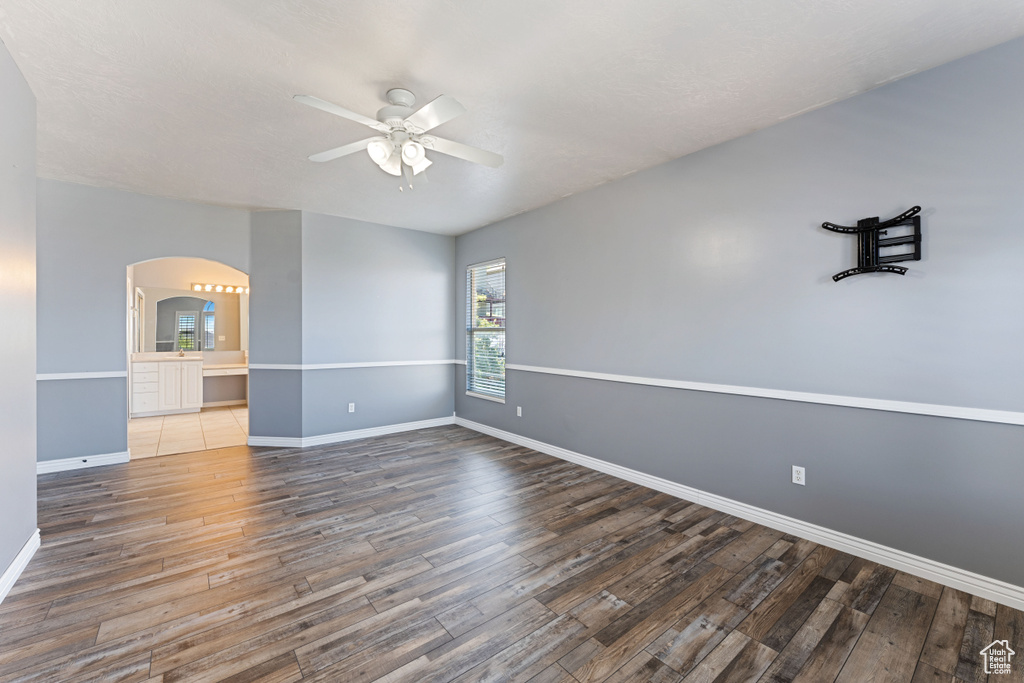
[(342, 366), (932, 409), (52, 376)]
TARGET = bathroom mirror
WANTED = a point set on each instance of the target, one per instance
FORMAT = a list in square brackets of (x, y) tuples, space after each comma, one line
[(173, 320)]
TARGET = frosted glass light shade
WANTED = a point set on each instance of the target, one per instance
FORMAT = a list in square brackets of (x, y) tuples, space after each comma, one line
[(380, 151)]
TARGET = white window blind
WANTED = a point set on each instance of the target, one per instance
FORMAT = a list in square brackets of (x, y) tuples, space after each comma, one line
[(187, 331), (209, 325), (208, 331), (485, 329)]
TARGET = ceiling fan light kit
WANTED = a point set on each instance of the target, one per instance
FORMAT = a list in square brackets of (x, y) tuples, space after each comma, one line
[(401, 150), (412, 152), (380, 150), (392, 165)]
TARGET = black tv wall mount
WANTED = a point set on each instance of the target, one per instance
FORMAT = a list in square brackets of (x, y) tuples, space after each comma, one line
[(870, 255)]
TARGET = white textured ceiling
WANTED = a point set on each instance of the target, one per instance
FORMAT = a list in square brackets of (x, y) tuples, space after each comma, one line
[(192, 98)]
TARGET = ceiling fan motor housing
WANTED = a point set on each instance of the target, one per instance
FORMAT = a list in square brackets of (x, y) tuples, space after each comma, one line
[(394, 115)]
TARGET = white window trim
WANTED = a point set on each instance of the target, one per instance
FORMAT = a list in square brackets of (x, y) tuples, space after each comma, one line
[(468, 362), (485, 397)]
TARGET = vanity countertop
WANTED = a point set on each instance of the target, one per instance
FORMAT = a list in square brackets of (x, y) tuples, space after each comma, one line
[(223, 366)]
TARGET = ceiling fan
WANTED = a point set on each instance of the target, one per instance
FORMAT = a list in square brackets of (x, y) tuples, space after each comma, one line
[(400, 148)]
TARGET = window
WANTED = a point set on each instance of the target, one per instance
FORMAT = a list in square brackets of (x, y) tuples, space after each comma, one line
[(186, 325), (485, 330), (208, 326)]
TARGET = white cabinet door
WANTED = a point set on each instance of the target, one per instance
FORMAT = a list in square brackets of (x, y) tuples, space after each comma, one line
[(192, 385), (170, 386)]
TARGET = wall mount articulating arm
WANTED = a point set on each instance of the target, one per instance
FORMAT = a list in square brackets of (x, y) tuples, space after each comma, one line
[(870, 257)]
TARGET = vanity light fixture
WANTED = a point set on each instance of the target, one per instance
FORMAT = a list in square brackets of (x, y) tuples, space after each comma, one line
[(227, 289)]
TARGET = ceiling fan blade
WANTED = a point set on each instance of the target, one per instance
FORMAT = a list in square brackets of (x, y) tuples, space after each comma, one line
[(457, 149), (317, 103), (338, 152), (431, 115)]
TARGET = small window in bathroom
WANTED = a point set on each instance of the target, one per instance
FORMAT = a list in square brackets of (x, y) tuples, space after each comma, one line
[(208, 326), (186, 326)]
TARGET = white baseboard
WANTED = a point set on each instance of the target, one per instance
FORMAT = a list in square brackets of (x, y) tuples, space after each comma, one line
[(47, 466), (156, 413), (219, 404), (337, 437), (12, 573), (976, 584)]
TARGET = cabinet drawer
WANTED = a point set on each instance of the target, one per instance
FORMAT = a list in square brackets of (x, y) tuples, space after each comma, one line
[(144, 403), (143, 377), (144, 367), (145, 387)]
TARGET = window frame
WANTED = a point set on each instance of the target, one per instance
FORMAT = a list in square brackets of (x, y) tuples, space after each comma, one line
[(209, 331), (194, 315), (472, 330)]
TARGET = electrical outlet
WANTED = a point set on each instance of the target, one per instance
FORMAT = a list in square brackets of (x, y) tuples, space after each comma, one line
[(351, 407), (519, 411), (799, 476)]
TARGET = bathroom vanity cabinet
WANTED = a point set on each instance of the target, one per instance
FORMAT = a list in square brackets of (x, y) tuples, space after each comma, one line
[(165, 387)]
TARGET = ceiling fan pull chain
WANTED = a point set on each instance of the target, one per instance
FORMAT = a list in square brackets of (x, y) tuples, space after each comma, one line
[(407, 175)]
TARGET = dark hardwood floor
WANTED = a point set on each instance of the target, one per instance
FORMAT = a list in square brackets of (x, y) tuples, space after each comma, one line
[(445, 555)]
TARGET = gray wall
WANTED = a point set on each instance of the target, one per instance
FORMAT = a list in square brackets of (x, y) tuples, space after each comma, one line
[(87, 237), (383, 396), (18, 304), (374, 293), (275, 324), (224, 388), (275, 310), (713, 268), (345, 291), (96, 411)]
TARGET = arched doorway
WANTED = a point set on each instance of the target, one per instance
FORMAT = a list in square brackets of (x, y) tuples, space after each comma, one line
[(188, 344)]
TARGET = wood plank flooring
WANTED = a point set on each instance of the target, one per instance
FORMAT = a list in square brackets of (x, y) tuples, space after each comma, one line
[(446, 555)]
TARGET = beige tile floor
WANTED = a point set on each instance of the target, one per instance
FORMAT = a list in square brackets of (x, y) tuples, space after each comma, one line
[(167, 434)]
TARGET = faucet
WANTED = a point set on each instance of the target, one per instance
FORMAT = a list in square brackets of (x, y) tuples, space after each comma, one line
[(181, 353)]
